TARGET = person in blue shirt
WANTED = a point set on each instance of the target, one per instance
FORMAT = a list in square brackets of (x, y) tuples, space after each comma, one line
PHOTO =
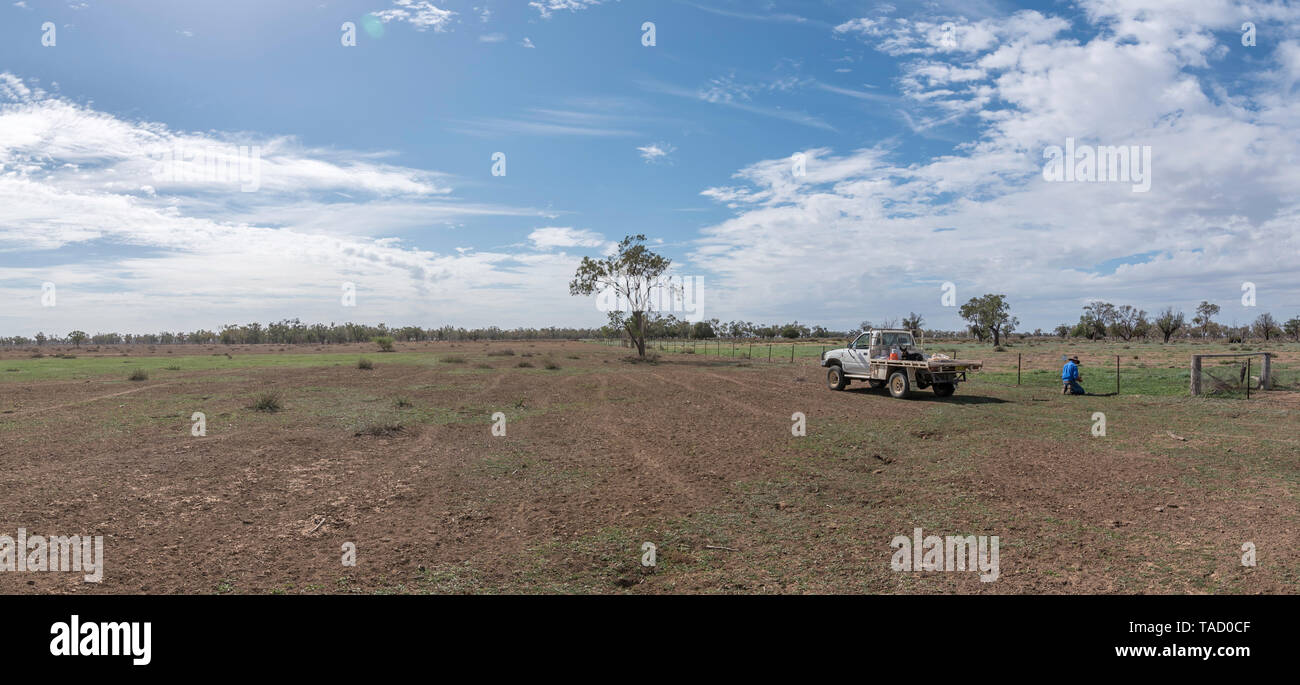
[(1070, 378)]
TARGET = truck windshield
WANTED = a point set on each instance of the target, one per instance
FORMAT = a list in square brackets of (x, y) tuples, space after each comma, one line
[(899, 339)]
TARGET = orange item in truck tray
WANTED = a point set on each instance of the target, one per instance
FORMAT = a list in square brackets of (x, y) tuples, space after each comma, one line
[(893, 355)]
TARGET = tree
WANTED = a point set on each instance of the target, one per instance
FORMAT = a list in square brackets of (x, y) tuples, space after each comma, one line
[(990, 313), (1127, 322), (1265, 326), (913, 322), (1169, 322), (702, 330), (1205, 313), (1096, 320), (77, 337), (1062, 330), (632, 276), (864, 326), (1292, 328)]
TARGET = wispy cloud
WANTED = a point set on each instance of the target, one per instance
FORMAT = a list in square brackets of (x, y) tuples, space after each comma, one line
[(779, 17), (551, 122), (656, 152), (735, 97)]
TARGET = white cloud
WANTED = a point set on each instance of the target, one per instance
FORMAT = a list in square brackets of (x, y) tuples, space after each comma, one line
[(527, 42), (548, 7), (552, 237), (421, 14), (656, 152), (492, 38)]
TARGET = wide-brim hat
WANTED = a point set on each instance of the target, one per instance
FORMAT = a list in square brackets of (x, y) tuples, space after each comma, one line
[(1075, 359)]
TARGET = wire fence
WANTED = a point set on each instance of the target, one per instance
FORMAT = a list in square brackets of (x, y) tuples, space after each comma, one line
[(1100, 374)]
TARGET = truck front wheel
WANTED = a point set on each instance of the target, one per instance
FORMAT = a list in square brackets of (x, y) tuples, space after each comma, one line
[(944, 389), (898, 385), (835, 379)]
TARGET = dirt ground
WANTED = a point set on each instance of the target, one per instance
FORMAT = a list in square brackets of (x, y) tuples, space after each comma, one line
[(695, 455)]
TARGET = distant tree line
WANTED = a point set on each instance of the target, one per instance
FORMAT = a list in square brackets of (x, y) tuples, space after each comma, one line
[(1102, 320), (294, 332), (989, 319)]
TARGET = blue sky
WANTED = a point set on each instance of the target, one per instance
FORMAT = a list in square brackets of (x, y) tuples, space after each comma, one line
[(922, 126)]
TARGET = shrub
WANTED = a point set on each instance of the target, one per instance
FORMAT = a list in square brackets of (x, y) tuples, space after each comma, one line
[(502, 353), (268, 402), (482, 366), (366, 364), (525, 365), (138, 375), (174, 367), (453, 360), (385, 343), (402, 403), (551, 365)]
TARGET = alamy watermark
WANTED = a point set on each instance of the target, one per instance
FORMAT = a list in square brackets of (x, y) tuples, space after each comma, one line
[(951, 553), (684, 295), (57, 553), (1099, 164), (237, 165)]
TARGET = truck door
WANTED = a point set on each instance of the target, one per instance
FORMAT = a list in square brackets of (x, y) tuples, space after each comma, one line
[(856, 360)]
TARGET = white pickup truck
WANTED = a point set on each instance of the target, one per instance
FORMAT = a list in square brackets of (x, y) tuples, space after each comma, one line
[(892, 358)]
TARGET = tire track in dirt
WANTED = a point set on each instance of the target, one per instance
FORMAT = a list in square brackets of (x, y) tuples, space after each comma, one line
[(608, 419), (762, 384), (88, 400), (727, 400)]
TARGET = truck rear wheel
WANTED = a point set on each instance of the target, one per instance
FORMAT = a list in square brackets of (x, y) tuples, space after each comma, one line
[(944, 389), (835, 379), (898, 384)]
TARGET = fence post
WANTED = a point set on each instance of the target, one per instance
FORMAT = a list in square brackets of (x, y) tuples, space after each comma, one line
[(1248, 361), (1018, 368), (769, 352), (1196, 375), (1265, 372), (791, 353), (1117, 374)]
